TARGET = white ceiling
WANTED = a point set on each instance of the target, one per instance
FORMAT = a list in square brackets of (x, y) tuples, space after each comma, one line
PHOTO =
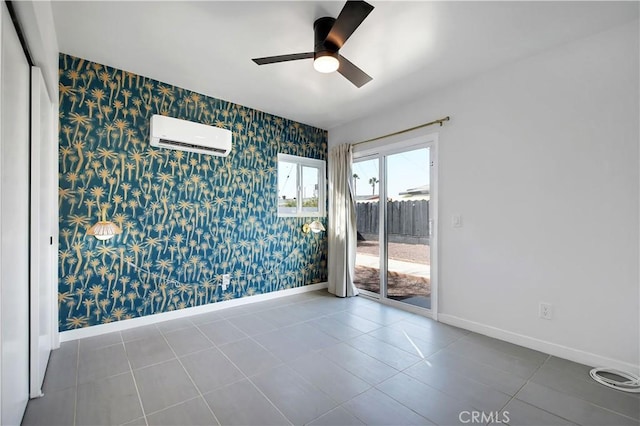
[(409, 48)]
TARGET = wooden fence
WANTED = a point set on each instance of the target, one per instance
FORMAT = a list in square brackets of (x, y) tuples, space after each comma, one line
[(408, 221)]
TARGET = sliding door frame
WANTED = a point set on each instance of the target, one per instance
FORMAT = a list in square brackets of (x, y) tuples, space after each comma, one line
[(379, 150), (44, 224), (382, 249)]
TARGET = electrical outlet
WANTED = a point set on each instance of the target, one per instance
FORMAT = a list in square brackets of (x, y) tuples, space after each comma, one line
[(226, 280), (545, 311)]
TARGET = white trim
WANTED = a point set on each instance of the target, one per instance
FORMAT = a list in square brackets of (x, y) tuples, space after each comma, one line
[(2, 12), (305, 161), (550, 348), (54, 214), (394, 144), (434, 225), (44, 219), (36, 237), (383, 237), (300, 162), (97, 330), (369, 294)]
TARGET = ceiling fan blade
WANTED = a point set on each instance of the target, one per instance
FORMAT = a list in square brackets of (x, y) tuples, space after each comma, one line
[(350, 18), (352, 73), (282, 58)]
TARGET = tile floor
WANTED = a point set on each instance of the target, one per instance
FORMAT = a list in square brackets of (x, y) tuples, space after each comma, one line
[(320, 360)]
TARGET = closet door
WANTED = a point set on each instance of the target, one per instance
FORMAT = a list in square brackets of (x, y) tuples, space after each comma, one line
[(14, 223), (43, 253)]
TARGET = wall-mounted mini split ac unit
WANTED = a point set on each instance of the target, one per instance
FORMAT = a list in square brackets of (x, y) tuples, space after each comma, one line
[(182, 135)]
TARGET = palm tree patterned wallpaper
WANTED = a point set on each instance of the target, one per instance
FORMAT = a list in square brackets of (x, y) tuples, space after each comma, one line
[(187, 219)]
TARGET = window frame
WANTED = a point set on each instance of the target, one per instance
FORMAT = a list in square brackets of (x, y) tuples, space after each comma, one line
[(300, 162)]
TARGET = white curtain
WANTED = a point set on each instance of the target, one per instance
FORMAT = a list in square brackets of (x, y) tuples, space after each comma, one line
[(342, 234)]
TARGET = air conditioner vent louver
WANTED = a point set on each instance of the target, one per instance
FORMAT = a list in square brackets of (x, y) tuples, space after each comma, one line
[(182, 135), (167, 143)]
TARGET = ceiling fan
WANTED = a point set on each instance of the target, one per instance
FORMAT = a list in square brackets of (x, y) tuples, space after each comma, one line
[(330, 34)]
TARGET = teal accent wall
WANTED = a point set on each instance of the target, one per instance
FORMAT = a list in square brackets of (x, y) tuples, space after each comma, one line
[(187, 219)]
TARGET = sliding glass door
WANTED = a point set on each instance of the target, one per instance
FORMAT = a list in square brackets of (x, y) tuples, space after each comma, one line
[(407, 227), (395, 206), (366, 182)]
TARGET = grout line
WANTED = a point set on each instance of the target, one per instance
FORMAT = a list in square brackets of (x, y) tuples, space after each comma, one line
[(370, 386), (481, 363), (213, 316), (236, 366), (340, 308), (135, 384), (143, 337), (339, 404), (174, 405), (197, 326), (402, 371), (568, 394), (245, 375), (133, 376), (406, 406), (191, 379), (523, 385), (281, 363), (269, 399), (148, 365)]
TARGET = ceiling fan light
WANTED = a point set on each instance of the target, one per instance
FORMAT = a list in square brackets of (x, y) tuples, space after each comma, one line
[(326, 64)]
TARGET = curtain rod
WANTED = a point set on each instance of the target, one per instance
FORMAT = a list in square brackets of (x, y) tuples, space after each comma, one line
[(431, 123)]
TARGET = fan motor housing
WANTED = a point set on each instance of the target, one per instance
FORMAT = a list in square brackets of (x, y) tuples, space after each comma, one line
[(322, 47), (330, 34)]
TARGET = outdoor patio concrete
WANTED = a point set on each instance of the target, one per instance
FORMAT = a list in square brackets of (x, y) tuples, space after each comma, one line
[(415, 269)]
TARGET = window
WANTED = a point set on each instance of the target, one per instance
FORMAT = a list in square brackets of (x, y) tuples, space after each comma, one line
[(301, 186)]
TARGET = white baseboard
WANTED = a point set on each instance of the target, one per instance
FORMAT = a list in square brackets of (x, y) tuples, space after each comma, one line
[(97, 330), (550, 348)]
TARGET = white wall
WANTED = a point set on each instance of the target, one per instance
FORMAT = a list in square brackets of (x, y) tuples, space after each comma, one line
[(541, 160)]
